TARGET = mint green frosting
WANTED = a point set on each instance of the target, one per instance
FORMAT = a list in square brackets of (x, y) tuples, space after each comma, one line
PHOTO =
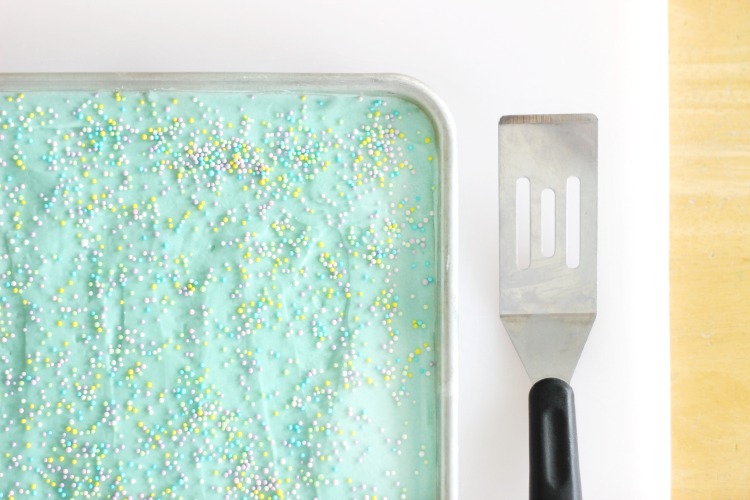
[(218, 295)]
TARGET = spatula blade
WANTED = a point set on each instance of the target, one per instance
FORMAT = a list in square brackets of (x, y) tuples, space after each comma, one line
[(548, 300)]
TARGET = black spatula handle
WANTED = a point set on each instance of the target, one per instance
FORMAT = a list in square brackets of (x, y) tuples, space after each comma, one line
[(553, 447)]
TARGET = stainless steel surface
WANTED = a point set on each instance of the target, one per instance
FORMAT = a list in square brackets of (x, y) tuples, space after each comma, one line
[(548, 308)]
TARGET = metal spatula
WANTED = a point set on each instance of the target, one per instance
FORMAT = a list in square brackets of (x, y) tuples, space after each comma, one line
[(548, 192)]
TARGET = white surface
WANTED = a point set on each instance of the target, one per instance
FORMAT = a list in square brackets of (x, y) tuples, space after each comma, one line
[(485, 59)]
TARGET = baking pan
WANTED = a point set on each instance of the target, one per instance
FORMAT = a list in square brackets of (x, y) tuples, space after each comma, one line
[(226, 286)]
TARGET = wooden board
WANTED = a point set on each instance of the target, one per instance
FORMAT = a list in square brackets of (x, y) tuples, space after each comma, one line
[(710, 247)]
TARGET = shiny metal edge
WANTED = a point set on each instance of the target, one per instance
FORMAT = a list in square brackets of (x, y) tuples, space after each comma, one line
[(398, 85), (554, 118)]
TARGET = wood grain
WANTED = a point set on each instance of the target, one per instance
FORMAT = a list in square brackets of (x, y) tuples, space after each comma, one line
[(710, 247)]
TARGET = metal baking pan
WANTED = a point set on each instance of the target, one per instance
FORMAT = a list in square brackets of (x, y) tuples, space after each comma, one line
[(227, 286)]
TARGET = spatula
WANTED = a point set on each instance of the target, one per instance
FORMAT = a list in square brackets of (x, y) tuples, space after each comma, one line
[(548, 193)]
